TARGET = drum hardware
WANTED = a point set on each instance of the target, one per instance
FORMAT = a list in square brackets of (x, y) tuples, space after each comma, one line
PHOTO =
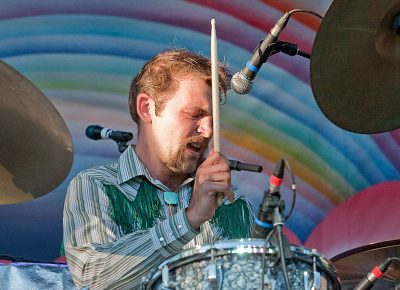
[(212, 271), (36, 150), (306, 281), (317, 275), (239, 262), (215, 280), (165, 278), (212, 274), (271, 212)]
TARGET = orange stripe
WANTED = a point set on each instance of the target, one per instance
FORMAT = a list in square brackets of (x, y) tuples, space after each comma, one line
[(272, 153)]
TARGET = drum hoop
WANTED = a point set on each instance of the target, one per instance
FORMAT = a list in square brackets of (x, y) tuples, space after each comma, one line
[(245, 246), (230, 246)]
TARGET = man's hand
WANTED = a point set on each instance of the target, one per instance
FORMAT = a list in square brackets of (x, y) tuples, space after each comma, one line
[(212, 177)]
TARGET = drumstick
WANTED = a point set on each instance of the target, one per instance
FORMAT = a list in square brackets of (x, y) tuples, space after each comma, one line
[(215, 95)]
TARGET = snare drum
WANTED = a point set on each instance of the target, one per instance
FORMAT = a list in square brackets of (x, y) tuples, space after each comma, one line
[(237, 264)]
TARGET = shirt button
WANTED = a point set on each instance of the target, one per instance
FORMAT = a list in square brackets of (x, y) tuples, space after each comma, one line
[(161, 239), (170, 233), (180, 226)]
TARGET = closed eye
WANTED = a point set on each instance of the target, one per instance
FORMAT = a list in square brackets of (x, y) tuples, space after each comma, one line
[(198, 114)]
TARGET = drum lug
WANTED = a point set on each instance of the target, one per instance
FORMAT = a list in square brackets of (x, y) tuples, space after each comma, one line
[(317, 281), (317, 275), (214, 281), (212, 275), (165, 278), (306, 281)]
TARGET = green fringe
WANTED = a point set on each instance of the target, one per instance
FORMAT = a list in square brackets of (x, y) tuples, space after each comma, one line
[(62, 250), (139, 214), (233, 220)]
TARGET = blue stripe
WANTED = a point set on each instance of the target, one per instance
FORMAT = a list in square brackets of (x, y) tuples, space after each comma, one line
[(252, 67), (263, 224)]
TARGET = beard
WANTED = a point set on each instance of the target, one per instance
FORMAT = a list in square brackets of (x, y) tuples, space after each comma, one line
[(178, 162)]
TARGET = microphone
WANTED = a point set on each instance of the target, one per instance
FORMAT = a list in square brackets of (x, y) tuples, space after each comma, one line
[(97, 132), (263, 222), (239, 166), (242, 81), (368, 281)]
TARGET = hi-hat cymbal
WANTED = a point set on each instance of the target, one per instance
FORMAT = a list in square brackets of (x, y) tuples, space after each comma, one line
[(355, 264), (355, 65), (36, 150)]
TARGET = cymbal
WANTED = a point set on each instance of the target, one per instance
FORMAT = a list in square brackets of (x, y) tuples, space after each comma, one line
[(355, 75), (355, 264), (36, 150)]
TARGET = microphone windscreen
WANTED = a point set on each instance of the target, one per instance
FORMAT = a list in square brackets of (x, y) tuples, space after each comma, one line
[(93, 132), (240, 84)]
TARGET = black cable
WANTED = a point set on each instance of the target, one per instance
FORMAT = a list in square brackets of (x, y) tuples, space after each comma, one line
[(291, 49), (282, 255), (304, 54), (306, 11)]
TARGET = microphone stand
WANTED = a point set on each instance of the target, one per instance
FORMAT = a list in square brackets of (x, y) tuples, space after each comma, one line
[(277, 206), (288, 48), (278, 222)]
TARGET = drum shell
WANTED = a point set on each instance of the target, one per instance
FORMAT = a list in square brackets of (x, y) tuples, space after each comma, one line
[(238, 265)]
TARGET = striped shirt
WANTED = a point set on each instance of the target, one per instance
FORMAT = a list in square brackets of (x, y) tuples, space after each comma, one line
[(98, 252)]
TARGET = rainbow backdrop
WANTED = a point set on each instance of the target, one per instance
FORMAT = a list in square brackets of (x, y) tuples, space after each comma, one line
[(83, 54)]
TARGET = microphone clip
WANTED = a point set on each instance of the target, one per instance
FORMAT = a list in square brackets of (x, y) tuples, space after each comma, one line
[(288, 48), (275, 206), (122, 146)]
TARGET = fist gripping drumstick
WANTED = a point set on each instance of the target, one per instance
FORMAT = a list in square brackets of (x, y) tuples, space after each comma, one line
[(215, 95)]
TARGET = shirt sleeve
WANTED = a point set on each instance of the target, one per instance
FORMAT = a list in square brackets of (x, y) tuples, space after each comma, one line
[(98, 254)]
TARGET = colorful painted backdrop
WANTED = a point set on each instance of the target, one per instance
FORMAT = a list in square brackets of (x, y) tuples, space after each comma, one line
[(83, 54)]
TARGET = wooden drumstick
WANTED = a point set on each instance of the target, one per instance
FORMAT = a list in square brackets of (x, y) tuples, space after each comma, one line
[(215, 95)]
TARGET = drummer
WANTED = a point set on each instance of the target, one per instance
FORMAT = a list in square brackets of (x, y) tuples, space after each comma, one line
[(122, 220)]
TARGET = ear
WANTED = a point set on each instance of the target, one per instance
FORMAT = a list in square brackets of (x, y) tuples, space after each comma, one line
[(144, 107)]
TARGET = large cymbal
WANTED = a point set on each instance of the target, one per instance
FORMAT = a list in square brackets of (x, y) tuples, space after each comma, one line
[(36, 150), (355, 65), (355, 264)]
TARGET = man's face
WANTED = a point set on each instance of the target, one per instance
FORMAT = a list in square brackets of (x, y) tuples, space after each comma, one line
[(183, 129)]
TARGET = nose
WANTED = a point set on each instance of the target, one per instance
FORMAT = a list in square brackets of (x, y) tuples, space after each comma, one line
[(206, 127)]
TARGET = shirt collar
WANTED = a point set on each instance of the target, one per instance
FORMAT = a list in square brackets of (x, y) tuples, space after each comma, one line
[(130, 166)]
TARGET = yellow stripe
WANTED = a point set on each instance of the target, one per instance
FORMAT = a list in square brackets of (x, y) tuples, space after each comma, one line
[(273, 154)]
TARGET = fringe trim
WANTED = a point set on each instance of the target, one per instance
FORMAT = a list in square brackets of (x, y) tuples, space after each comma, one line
[(233, 220), (139, 214)]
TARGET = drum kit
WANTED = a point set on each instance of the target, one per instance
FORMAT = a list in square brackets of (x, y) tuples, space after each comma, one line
[(243, 264), (355, 78)]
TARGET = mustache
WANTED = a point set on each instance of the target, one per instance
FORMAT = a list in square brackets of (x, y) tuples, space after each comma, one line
[(198, 139)]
